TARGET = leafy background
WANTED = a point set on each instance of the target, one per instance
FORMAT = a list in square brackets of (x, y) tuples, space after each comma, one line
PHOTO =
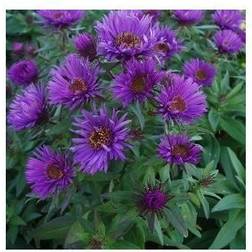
[(97, 211)]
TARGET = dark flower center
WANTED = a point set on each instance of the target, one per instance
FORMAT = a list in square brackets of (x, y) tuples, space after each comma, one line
[(78, 85), (99, 137), (54, 172), (163, 47), (177, 104), (154, 199), (201, 75), (138, 84), (127, 39), (180, 150)]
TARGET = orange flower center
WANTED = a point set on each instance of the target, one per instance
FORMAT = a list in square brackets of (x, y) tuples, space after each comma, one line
[(180, 150), (177, 105), (54, 172), (99, 137), (138, 84), (201, 75), (127, 39), (78, 85)]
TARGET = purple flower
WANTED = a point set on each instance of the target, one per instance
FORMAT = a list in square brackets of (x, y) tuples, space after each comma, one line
[(182, 101), (61, 18), (23, 72), (178, 149), (152, 200), (122, 34), (17, 48), (101, 138), (167, 43), (48, 172), (85, 44), (28, 108), (137, 82), (188, 17), (154, 14), (228, 41), (74, 83), (200, 71), (228, 19)]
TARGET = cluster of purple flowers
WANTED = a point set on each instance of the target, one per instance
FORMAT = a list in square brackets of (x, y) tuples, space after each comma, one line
[(140, 44), (232, 36)]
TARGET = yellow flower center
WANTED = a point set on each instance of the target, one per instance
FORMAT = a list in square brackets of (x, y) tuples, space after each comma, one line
[(99, 137)]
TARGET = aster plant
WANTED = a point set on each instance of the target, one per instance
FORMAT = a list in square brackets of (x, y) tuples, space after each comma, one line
[(125, 129)]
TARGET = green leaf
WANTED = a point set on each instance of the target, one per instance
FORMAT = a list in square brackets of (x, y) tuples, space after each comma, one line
[(175, 218), (54, 229), (76, 233), (17, 221), (234, 128), (158, 229), (234, 91), (118, 196), (228, 231), (138, 112), (213, 118), (238, 167), (204, 203), (225, 83), (229, 202)]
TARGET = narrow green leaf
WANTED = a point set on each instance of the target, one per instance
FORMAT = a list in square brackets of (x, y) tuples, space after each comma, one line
[(54, 229), (238, 167), (213, 118), (228, 231), (177, 221), (204, 203), (158, 229), (138, 112), (229, 202)]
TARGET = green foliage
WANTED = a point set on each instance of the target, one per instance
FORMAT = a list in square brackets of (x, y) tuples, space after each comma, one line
[(207, 204)]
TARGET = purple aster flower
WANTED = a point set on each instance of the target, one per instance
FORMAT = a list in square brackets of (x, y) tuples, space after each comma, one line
[(85, 44), (137, 82), (23, 72), (61, 18), (152, 200), (188, 17), (101, 138), (18, 48), (182, 101), (178, 149), (228, 19), (167, 43), (228, 41), (48, 172), (154, 14), (28, 108), (200, 71), (73, 83), (122, 34)]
